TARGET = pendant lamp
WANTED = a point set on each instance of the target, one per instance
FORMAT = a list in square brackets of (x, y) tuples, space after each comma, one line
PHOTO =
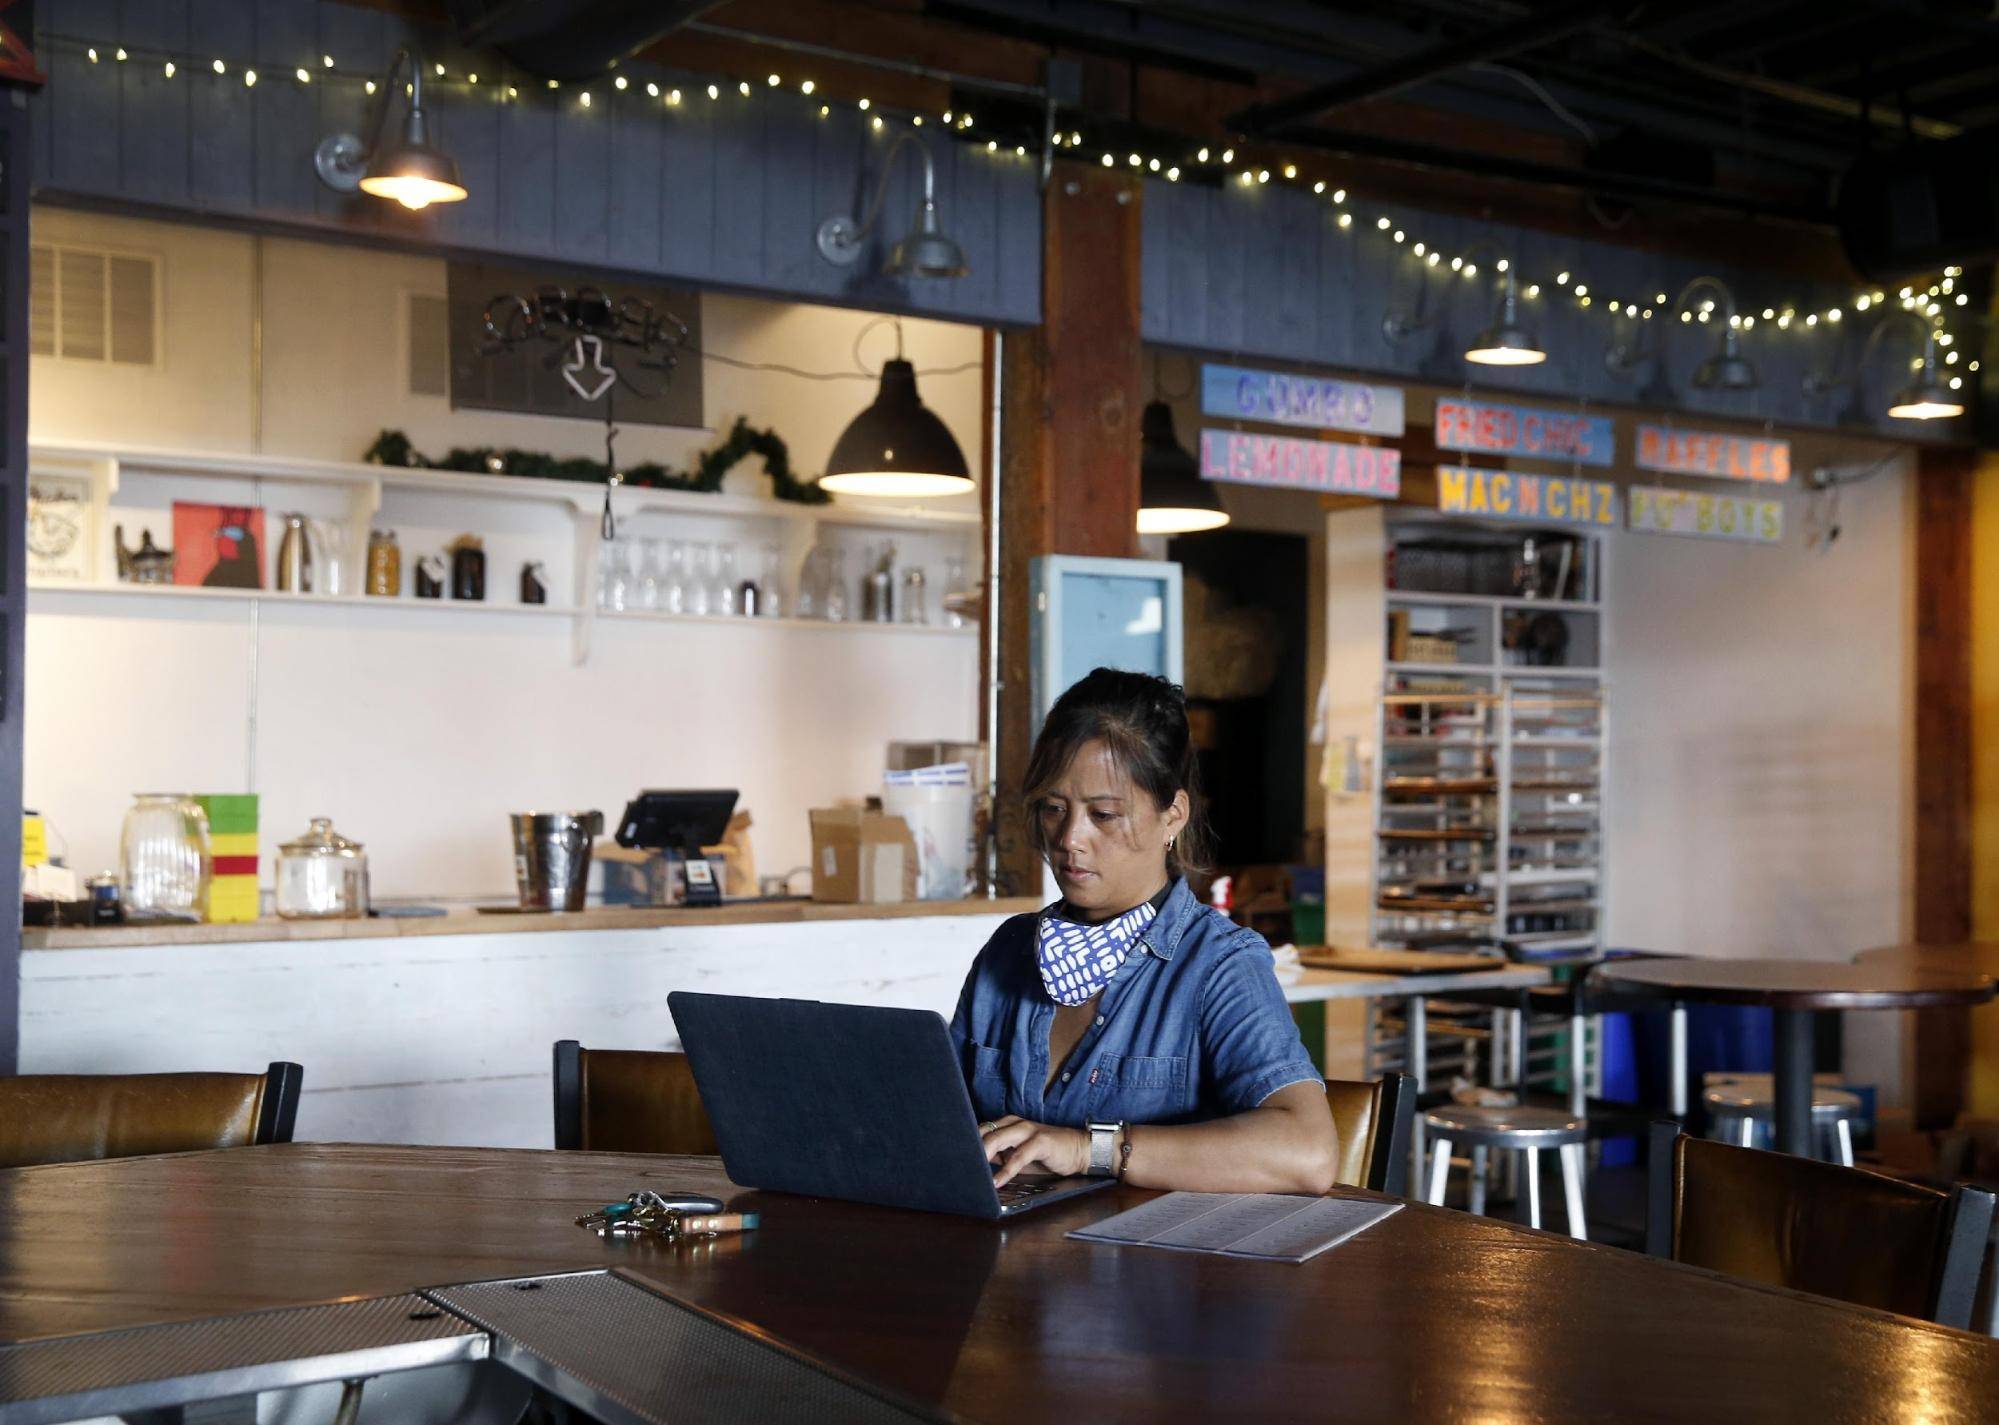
[(897, 446), (1173, 498), (1506, 342)]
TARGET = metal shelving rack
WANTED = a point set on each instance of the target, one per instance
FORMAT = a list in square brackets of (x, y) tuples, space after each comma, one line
[(1488, 803)]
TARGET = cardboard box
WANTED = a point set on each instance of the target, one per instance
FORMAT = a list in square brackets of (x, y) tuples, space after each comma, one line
[(861, 857)]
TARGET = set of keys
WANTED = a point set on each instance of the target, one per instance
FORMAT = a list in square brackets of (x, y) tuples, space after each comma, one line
[(666, 1218)]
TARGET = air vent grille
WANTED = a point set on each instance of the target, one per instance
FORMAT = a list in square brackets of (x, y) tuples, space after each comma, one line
[(86, 304)]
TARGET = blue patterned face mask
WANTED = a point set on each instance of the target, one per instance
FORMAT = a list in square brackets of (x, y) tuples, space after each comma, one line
[(1077, 961)]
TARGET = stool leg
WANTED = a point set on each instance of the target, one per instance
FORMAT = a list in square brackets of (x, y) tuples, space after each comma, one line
[(1478, 1181), (1572, 1189), (1844, 1131), (1578, 1066), (1748, 1131), (1440, 1168), (1533, 1187), (1416, 1059), (1678, 1099)]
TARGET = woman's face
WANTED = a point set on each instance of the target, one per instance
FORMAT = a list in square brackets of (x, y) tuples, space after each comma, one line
[(1104, 838)]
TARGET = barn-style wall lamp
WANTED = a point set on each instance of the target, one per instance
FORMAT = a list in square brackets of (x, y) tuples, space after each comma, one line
[(413, 171)]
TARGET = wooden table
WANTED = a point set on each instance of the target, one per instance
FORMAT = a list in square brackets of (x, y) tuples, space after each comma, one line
[(1431, 1315), (1796, 990)]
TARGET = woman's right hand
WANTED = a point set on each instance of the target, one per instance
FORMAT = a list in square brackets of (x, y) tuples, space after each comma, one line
[(1017, 1144)]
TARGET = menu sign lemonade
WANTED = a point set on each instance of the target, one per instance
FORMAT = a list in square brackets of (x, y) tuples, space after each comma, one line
[(1328, 466)]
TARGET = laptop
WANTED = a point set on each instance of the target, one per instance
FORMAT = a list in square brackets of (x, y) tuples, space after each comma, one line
[(848, 1101)]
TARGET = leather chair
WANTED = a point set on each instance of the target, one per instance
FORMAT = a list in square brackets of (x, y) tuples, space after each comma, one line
[(1817, 1227), (1374, 1122), (77, 1118), (628, 1101)]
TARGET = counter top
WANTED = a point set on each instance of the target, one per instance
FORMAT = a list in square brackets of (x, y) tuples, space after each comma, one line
[(464, 920)]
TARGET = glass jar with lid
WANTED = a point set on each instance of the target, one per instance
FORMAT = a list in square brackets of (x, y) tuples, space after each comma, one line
[(163, 855), (322, 876)]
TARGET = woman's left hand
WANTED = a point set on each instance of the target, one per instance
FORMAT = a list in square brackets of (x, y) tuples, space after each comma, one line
[(1017, 1144)]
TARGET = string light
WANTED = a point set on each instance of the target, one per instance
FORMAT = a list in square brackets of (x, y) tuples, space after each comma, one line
[(1926, 297)]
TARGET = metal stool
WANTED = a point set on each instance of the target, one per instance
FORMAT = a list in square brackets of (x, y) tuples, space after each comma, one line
[(1738, 1106), (1525, 1130)]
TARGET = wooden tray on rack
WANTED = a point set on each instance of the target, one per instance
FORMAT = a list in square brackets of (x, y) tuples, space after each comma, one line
[(1436, 833), (1434, 905), (1440, 786), (1382, 960)]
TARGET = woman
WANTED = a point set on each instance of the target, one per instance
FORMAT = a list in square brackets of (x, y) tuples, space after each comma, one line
[(1128, 1030)]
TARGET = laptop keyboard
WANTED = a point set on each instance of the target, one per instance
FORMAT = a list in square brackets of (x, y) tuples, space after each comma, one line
[(1027, 1189)]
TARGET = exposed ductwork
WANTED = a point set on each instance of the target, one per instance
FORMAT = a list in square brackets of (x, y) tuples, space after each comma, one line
[(570, 39)]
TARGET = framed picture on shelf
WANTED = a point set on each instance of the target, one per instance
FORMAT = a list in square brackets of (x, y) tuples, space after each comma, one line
[(62, 533), (218, 546)]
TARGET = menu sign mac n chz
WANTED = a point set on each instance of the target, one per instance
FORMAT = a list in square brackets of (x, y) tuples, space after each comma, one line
[(1284, 398), (1492, 429), (1517, 495), (1701, 452), (1238, 457)]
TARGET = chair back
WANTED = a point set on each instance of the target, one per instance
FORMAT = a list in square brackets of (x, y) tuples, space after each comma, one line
[(628, 1101), (1817, 1227), (76, 1118), (1374, 1121)]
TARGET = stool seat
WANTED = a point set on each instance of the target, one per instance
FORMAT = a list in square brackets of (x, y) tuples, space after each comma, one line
[(1513, 1126), (1758, 1101), (1516, 1128)]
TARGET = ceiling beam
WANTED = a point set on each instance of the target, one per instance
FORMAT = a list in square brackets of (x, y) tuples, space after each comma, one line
[(1409, 70)]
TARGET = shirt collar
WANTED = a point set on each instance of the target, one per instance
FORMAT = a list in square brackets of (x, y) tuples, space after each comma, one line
[(1162, 937)]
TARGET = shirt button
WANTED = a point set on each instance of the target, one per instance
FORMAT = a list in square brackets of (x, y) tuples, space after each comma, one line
[(1100, 1019), (1065, 1078)]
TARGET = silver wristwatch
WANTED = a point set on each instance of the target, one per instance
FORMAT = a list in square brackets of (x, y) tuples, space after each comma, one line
[(1103, 1149)]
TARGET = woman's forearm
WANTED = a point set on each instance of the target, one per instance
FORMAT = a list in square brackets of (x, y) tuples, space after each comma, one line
[(1286, 1144)]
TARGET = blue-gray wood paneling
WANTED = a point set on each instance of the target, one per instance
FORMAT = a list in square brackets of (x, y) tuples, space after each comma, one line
[(15, 148), (1267, 272), (723, 193)]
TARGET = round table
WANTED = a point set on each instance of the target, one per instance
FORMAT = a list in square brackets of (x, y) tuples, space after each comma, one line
[(1978, 957), (1796, 990)]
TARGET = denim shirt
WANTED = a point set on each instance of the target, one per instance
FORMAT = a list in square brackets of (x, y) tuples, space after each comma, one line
[(1193, 1026)]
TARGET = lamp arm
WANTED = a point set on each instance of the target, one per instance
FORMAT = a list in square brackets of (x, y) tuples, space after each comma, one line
[(888, 171), (1818, 383), (378, 114), (1713, 284)]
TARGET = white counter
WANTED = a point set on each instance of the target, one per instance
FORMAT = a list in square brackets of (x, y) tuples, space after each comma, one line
[(445, 1038)]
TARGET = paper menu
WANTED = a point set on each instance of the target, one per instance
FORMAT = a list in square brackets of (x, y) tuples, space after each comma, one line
[(1267, 1226)]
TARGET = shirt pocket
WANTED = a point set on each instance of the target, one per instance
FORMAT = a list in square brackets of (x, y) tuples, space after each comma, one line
[(1141, 1088), (985, 1076)]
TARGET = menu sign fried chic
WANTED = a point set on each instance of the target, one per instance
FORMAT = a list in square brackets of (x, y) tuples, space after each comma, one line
[(1517, 495), (1654, 510), (1285, 462), (1713, 453), (1491, 429), (1285, 398)]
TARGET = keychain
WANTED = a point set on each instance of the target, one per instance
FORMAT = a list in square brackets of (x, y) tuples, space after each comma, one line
[(669, 1218)]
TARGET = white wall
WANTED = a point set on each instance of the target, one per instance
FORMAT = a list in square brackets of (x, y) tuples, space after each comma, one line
[(418, 729), (1760, 793)]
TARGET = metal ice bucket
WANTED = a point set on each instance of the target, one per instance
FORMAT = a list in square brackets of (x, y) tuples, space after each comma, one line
[(552, 857)]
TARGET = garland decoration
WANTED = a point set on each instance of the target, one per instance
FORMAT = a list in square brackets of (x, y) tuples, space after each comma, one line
[(392, 447)]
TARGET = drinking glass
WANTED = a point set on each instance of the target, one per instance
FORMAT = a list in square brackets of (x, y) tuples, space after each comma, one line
[(618, 555), (838, 597), (163, 851), (954, 583), (673, 593), (809, 603), (700, 561), (722, 593), (649, 575), (770, 597)]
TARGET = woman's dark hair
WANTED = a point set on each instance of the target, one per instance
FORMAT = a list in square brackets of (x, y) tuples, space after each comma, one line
[(1142, 719)]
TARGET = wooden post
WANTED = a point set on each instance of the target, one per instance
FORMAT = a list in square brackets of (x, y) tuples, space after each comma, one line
[(1070, 402), (1943, 775)]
